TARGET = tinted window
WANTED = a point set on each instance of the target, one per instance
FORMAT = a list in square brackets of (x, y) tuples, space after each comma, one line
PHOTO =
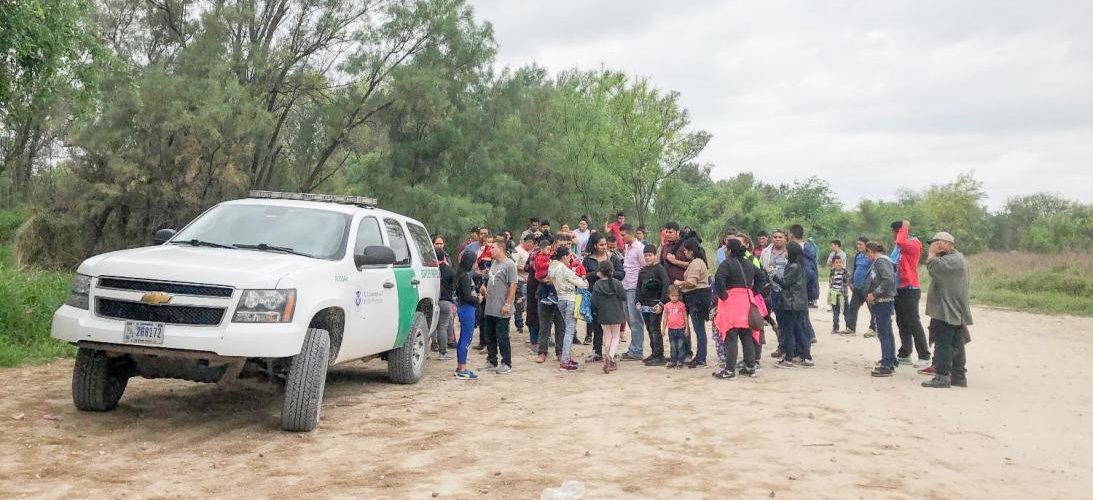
[(398, 242), (424, 244), (368, 235)]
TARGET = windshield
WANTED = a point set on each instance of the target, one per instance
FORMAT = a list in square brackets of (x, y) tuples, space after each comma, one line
[(316, 233)]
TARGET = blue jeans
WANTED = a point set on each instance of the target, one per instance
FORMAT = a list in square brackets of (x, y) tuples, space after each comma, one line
[(566, 308), (677, 351), (637, 325), (883, 311), (467, 314), (796, 339)]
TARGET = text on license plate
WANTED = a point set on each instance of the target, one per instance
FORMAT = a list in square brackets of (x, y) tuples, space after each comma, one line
[(138, 332)]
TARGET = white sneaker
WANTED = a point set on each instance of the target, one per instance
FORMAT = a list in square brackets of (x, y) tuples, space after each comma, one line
[(488, 367), (503, 369), (923, 363)]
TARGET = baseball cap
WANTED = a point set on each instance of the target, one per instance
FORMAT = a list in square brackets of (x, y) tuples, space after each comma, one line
[(942, 236)]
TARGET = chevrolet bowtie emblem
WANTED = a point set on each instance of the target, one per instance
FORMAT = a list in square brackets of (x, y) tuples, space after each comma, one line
[(156, 298)]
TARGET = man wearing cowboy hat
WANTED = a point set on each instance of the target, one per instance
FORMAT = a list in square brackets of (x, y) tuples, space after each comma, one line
[(949, 309)]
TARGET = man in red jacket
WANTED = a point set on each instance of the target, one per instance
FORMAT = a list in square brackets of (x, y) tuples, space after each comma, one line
[(906, 255), (615, 228)]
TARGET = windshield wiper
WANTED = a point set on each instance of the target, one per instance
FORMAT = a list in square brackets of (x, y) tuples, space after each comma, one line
[(265, 247), (200, 243)]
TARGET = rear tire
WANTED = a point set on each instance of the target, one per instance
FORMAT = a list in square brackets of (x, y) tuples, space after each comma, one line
[(98, 381), (305, 384), (406, 364)]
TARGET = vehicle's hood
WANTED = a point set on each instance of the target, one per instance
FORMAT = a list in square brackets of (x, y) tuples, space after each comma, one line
[(212, 266)]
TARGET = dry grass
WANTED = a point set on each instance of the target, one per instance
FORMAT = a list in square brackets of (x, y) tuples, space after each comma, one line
[(1056, 284)]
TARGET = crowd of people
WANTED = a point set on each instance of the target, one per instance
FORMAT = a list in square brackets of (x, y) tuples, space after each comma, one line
[(624, 289)]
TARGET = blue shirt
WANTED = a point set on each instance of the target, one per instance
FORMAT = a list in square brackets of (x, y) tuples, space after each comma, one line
[(810, 252), (861, 269)]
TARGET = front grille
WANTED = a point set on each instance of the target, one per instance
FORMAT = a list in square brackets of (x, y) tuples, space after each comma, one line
[(175, 315), (172, 288)]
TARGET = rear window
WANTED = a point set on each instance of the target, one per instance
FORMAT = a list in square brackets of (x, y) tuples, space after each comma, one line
[(424, 244)]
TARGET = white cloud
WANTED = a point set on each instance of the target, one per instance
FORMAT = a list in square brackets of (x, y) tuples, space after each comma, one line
[(872, 96)]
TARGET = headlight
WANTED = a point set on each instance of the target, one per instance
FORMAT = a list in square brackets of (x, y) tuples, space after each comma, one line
[(265, 306), (79, 291)]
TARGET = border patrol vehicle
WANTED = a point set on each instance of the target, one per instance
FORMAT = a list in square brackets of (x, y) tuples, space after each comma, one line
[(278, 286)]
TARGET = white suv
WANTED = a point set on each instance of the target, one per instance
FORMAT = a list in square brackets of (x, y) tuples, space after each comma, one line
[(278, 286)]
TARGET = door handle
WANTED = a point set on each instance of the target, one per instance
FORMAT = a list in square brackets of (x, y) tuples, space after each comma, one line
[(388, 285), (415, 282)]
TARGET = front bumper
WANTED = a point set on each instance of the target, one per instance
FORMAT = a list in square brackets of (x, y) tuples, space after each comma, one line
[(251, 340)]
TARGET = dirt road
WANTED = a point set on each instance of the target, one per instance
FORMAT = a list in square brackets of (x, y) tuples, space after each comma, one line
[(1023, 429)]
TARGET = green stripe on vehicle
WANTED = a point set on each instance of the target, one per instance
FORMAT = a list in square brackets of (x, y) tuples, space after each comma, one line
[(407, 303)]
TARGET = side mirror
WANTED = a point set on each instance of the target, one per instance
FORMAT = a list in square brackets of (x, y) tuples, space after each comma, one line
[(375, 256), (163, 235)]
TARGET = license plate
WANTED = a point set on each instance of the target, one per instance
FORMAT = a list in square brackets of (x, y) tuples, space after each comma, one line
[(139, 332)]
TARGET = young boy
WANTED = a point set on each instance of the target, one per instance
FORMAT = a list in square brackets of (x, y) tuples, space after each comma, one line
[(653, 285), (674, 320), (839, 280)]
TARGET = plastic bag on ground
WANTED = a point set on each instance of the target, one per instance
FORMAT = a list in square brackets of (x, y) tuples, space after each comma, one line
[(570, 490)]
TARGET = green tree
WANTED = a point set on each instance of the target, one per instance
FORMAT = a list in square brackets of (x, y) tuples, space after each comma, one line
[(48, 57), (650, 140)]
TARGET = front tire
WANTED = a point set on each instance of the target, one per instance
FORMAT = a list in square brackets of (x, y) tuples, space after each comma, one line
[(406, 364), (98, 381), (305, 384)]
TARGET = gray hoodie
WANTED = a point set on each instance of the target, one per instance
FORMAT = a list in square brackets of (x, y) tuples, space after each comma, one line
[(881, 281)]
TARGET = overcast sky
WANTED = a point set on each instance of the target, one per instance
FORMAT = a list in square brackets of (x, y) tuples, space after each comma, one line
[(871, 95)]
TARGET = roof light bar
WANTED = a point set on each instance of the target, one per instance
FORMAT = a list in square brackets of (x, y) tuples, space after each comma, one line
[(360, 201)]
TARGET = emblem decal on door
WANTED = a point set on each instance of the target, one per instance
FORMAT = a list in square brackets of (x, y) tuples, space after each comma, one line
[(357, 299)]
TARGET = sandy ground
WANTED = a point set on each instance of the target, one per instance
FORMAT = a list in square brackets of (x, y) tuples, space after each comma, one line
[(1023, 429)]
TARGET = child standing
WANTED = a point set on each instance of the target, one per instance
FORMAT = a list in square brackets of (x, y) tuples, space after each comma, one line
[(653, 285), (609, 309), (674, 320), (840, 290)]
